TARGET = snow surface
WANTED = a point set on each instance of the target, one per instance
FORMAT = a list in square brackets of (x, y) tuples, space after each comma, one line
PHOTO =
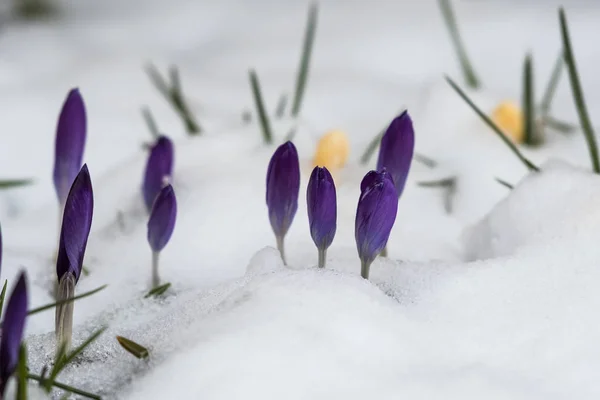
[(494, 301)]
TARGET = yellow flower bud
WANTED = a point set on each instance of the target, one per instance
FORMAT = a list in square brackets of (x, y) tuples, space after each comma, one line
[(509, 117), (332, 150)]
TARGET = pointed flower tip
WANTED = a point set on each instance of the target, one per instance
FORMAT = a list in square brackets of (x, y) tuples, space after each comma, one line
[(283, 188), (375, 214), (12, 330), (322, 207), (396, 150), (159, 169), (76, 225), (162, 219), (70, 143)]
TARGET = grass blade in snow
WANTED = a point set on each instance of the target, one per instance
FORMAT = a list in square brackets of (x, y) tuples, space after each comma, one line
[(61, 302), (531, 137), (552, 85), (150, 122), (309, 38), (133, 348), (494, 127), (14, 183), (260, 108), (157, 291), (62, 386), (584, 118)]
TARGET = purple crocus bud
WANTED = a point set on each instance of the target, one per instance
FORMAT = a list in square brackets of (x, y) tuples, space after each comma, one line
[(161, 225), (375, 217), (159, 170), (283, 188), (396, 150), (76, 225), (322, 210), (12, 331), (70, 143)]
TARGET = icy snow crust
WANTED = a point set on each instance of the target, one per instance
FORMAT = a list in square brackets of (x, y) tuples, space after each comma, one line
[(495, 301)]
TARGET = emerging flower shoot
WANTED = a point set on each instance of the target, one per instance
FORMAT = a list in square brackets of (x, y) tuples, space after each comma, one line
[(283, 188), (76, 225), (70, 144), (12, 331), (161, 225), (322, 210), (159, 170), (375, 217)]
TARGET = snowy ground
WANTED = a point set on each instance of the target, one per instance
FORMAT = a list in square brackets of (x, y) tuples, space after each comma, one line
[(492, 301)]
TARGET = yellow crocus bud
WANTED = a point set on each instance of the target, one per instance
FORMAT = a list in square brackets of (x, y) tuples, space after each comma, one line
[(509, 117), (332, 150)]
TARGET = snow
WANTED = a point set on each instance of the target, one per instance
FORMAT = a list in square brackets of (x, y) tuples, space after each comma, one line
[(495, 300)]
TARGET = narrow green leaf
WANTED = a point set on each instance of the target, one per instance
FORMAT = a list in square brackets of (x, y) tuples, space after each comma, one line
[(158, 81), (492, 125), (260, 108), (552, 84), (157, 291), (438, 183), (504, 183), (150, 122), (21, 374), (280, 110), (291, 134), (309, 38), (427, 161), (371, 148), (58, 303), (62, 386), (556, 124), (132, 347), (467, 68), (2, 294), (85, 271), (175, 80), (14, 183), (584, 119), (531, 137), (449, 184)]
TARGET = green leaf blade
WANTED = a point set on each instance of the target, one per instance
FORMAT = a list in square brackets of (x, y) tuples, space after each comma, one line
[(260, 108), (137, 350), (303, 69)]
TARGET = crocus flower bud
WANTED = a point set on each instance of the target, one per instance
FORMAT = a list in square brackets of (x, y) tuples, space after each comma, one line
[(322, 210), (283, 188), (159, 170), (396, 150), (76, 225), (70, 143), (12, 331), (161, 225), (375, 217)]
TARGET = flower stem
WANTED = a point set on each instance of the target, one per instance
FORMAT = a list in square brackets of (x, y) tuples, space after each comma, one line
[(384, 252), (64, 312), (155, 278), (364, 269), (280, 248), (322, 257)]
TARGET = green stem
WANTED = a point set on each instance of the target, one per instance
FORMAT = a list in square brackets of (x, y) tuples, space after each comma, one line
[(364, 269), (155, 277), (62, 386), (280, 247), (322, 257)]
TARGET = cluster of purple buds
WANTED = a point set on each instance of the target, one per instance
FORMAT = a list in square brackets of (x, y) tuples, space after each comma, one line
[(375, 216), (161, 225), (75, 229), (283, 188), (70, 144), (159, 170), (322, 211), (13, 326)]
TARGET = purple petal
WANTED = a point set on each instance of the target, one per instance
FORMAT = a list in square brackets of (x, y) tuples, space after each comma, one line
[(159, 170), (162, 219), (12, 330), (76, 225), (396, 150), (70, 143), (321, 207), (283, 187), (375, 216)]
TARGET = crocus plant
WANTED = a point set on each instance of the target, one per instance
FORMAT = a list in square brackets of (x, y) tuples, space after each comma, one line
[(375, 216), (12, 331), (396, 152), (283, 188), (70, 144), (159, 170), (161, 225), (322, 210), (76, 225)]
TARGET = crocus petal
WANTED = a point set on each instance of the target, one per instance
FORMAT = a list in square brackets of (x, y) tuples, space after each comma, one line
[(12, 330), (159, 169), (283, 187), (321, 207), (375, 216), (76, 225), (396, 150), (162, 219), (70, 143)]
